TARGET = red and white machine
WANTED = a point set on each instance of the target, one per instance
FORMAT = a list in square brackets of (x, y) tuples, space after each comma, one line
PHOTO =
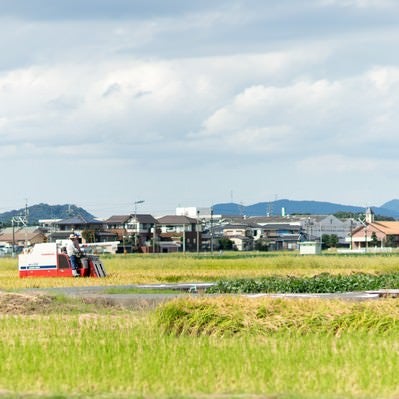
[(47, 260)]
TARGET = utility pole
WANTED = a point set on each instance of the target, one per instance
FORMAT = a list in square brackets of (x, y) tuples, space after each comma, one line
[(18, 220), (198, 244), (154, 237), (365, 224), (136, 221), (184, 238), (211, 231), (351, 235)]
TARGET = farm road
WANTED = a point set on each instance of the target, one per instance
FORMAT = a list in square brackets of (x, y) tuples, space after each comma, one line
[(152, 294)]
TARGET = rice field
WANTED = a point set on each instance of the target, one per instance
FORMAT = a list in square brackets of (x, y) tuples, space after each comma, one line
[(201, 347), (169, 268), (121, 354)]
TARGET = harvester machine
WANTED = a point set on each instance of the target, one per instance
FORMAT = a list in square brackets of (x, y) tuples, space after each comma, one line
[(48, 260)]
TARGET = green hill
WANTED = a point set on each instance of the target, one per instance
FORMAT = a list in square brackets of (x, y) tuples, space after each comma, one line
[(44, 211)]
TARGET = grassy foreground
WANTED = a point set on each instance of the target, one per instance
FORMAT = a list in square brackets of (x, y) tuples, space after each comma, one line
[(205, 348), (64, 349)]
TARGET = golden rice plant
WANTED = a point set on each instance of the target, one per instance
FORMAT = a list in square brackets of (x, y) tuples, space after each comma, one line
[(231, 315), (168, 268)]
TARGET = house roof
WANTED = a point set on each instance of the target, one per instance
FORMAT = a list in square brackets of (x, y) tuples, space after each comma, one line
[(20, 234), (78, 219), (145, 218), (25, 229), (274, 219), (117, 219), (176, 219), (289, 227), (235, 226), (387, 228), (121, 219)]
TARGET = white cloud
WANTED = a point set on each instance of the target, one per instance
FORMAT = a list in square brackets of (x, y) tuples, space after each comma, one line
[(327, 164), (282, 87), (360, 3), (128, 101), (350, 115)]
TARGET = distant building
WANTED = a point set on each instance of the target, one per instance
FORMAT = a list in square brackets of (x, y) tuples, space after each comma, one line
[(315, 226), (241, 235), (376, 234), (310, 248), (61, 229), (183, 231), (194, 212), (22, 236), (134, 231)]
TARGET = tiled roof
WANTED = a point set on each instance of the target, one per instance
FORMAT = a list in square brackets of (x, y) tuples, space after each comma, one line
[(146, 218), (117, 219), (389, 228), (273, 219), (235, 226), (291, 227), (176, 219), (20, 234), (78, 219), (26, 229)]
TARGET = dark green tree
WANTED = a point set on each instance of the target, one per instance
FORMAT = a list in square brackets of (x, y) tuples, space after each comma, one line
[(262, 244), (374, 239), (333, 240), (329, 240), (225, 243), (325, 240)]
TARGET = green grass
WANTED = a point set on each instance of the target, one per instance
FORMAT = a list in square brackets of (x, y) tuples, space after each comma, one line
[(138, 290), (205, 348), (128, 355)]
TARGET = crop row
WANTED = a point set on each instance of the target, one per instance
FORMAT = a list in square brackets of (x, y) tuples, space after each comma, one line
[(321, 283)]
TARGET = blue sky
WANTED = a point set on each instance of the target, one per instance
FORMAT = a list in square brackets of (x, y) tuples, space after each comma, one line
[(178, 103)]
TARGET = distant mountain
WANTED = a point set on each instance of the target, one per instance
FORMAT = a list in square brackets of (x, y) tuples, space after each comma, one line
[(298, 207), (45, 211), (392, 205)]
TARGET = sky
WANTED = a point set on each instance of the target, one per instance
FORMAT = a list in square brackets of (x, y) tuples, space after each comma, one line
[(104, 103)]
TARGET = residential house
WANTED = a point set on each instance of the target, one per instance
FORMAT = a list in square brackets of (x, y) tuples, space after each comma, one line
[(116, 225), (282, 236), (178, 233), (278, 232), (22, 236), (78, 225), (273, 233), (134, 231), (241, 235), (142, 228)]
